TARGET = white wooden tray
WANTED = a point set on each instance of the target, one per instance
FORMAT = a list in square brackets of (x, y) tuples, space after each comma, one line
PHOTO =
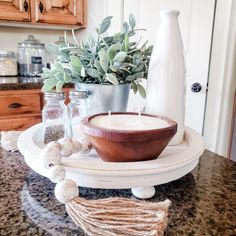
[(90, 171)]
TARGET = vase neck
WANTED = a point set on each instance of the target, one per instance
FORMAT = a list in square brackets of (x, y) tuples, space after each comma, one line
[(169, 14), (168, 37)]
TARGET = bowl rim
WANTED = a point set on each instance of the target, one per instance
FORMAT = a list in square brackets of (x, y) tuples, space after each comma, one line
[(128, 135)]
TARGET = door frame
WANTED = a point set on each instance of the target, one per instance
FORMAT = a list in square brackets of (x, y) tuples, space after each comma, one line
[(222, 79)]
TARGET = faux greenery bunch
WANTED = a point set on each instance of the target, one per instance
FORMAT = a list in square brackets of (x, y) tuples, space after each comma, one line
[(103, 59)]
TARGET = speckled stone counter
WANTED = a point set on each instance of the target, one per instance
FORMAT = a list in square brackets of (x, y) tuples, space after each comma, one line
[(21, 83), (203, 201)]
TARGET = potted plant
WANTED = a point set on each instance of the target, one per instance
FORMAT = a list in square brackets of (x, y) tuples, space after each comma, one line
[(106, 65)]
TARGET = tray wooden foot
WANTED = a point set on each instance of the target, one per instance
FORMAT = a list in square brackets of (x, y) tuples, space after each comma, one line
[(143, 192)]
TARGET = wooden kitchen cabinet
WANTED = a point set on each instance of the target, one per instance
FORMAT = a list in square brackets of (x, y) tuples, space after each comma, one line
[(69, 12), (15, 10), (20, 109), (44, 12)]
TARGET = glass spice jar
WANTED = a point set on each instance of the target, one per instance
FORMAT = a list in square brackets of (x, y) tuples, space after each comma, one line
[(78, 108), (8, 64), (54, 115)]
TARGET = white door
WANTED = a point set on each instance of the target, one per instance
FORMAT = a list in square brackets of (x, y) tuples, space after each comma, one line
[(196, 23)]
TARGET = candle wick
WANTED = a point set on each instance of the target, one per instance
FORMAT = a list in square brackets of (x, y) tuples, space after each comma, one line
[(139, 116), (109, 117)]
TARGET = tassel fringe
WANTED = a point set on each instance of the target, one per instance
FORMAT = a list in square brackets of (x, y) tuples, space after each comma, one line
[(119, 216)]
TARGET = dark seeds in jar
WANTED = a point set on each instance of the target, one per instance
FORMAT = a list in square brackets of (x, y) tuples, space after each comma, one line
[(53, 133)]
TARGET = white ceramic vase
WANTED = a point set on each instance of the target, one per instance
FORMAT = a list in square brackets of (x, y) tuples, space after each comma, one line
[(166, 76)]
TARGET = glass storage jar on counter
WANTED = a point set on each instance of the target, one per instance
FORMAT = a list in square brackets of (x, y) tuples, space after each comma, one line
[(8, 64), (78, 108), (50, 58), (31, 57), (55, 116)]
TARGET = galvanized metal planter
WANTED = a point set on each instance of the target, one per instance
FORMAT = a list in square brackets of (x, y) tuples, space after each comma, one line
[(103, 98)]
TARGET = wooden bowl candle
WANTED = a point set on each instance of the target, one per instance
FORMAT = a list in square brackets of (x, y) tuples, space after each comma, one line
[(127, 136)]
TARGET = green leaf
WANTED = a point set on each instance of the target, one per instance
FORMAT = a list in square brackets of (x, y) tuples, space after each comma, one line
[(144, 45), (135, 76), (45, 75), (98, 66), (137, 58), (112, 50), (104, 60), (113, 68), (58, 67), (131, 78), (123, 68), (125, 28), (132, 21), (97, 30), (59, 85), (129, 65), (93, 73), (140, 68), (82, 72), (126, 43), (65, 37), (112, 78), (134, 87), (67, 78), (120, 56), (49, 84), (59, 76), (75, 72), (73, 34), (76, 63), (149, 49), (46, 70), (105, 24), (65, 55), (117, 36), (141, 90), (53, 49), (139, 75)]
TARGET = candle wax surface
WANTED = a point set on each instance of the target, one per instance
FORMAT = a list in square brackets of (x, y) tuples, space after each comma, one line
[(128, 122)]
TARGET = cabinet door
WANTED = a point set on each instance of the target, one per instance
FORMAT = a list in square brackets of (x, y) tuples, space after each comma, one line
[(15, 10), (66, 12)]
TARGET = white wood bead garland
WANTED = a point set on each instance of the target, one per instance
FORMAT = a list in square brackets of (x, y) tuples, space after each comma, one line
[(57, 173), (94, 216), (86, 146), (51, 157), (67, 147), (66, 190)]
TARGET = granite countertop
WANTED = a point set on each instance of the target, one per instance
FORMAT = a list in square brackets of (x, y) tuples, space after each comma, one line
[(18, 83), (21, 83), (203, 201)]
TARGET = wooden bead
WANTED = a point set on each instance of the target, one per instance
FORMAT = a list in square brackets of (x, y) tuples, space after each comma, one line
[(66, 190), (56, 173), (50, 157), (54, 144), (86, 146), (77, 146), (67, 147)]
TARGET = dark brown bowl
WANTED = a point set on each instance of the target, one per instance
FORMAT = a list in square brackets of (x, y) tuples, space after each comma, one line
[(128, 145)]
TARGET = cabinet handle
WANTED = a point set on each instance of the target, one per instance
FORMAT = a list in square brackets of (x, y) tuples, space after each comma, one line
[(41, 7), (26, 5), (15, 105)]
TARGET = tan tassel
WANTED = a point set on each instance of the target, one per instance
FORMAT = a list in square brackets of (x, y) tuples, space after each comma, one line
[(119, 216)]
